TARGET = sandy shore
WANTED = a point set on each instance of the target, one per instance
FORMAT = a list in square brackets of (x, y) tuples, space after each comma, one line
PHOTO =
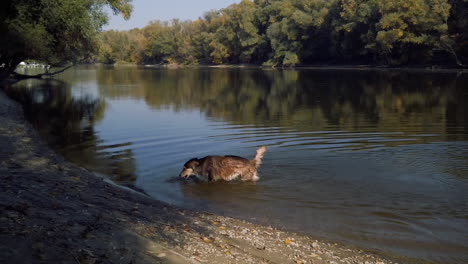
[(53, 211)]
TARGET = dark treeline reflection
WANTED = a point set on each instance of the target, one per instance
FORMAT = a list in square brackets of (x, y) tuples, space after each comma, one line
[(306, 100), (405, 102), (67, 122)]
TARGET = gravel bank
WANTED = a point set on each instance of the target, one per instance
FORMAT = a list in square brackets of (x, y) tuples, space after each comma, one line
[(53, 211)]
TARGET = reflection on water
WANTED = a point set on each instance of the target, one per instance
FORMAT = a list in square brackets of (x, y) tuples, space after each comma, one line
[(68, 121), (375, 158)]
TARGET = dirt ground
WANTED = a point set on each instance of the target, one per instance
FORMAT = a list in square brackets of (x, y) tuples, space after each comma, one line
[(53, 211)]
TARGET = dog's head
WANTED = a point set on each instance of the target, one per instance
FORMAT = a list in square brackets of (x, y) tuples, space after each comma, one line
[(190, 168)]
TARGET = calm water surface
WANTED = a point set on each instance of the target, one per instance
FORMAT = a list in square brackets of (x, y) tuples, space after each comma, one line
[(374, 158)]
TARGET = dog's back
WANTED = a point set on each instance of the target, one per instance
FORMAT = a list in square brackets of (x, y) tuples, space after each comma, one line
[(226, 168)]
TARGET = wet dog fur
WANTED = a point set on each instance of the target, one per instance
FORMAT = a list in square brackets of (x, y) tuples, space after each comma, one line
[(224, 168)]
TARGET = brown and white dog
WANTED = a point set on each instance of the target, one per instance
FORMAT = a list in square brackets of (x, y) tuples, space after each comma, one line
[(227, 168)]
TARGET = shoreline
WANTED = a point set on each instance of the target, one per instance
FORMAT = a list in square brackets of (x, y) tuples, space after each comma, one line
[(421, 68), (56, 211)]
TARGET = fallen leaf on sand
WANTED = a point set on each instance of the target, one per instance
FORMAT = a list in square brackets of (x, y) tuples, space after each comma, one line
[(207, 240), (288, 241)]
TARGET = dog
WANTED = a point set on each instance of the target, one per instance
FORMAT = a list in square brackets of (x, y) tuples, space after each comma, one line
[(224, 168)]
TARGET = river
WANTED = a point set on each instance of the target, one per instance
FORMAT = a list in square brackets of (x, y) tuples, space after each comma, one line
[(374, 158)]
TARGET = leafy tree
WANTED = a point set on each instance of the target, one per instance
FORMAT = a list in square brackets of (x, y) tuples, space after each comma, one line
[(158, 42), (52, 31), (242, 30), (458, 30), (200, 40), (411, 29), (218, 36), (118, 46), (293, 24), (353, 30), (167, 42), (182, 33)]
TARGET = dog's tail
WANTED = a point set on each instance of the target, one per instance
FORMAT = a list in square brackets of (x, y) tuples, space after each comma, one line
[(259, 156)]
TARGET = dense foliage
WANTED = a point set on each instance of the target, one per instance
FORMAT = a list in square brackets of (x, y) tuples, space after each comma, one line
[(52, 31), (292, 32)]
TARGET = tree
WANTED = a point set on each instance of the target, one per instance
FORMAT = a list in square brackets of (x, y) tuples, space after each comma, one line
[(200, 40), (242, 31), (410, 30), (219, 36), (52, 31), (161, 43), (458, 30), (118, 46), (292, 29), (353, 30)]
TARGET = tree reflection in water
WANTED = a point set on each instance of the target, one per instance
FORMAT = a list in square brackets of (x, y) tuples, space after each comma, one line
[(305, 100), (405, 103), (68, 123)]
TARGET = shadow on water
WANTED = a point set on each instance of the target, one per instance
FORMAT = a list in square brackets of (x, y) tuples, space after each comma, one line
[(68, 124)]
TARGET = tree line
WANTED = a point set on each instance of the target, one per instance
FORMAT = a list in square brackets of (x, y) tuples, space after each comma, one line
[(268, 32), (301, 32)]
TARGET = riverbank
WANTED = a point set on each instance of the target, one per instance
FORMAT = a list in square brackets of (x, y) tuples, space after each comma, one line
[(55, 211), (364, 67)]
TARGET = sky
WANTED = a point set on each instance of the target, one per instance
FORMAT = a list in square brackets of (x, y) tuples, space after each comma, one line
[(145, 11)]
